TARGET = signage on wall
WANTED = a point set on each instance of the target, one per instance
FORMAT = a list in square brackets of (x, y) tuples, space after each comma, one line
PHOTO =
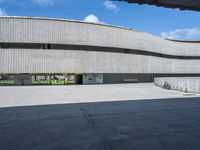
[(130, 80)]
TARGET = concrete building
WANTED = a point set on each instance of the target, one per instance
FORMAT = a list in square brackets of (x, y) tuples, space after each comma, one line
[(89, 53)]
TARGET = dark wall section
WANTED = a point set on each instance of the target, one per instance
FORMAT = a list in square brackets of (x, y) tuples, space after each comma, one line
[(110, 78), (176, 75), (127, 78), (79, 79), (22, 79)]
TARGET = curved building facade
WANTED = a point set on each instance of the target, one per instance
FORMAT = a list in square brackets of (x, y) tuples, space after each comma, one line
[(94, 53)]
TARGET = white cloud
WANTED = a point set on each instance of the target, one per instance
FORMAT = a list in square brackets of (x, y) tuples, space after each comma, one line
[(44, 2), (110, 5), (2, 12), (92, 18), (183, 34)]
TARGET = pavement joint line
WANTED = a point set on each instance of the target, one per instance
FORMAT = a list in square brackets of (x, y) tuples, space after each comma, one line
[(93, 125)]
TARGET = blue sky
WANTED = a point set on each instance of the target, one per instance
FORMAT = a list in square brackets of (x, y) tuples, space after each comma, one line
[(168, 23)]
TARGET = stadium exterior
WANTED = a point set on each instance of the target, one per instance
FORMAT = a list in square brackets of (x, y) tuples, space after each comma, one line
[(92, 53)]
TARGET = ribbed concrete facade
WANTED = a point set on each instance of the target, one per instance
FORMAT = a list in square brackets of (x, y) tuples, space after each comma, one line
[(61, 61), (33, 30), (53, 31)]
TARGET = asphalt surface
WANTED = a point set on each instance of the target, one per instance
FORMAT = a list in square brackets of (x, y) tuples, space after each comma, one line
[(150, 124), (124, 125)]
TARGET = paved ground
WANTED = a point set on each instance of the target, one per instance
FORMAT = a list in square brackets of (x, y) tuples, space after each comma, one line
[(41, 95), (81, 118)]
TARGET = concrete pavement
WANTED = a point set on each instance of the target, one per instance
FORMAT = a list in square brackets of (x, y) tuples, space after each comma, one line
[(152, 122), (42, 95)]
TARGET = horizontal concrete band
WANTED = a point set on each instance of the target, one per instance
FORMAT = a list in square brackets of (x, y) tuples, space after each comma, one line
[(70, 61), (185, 84), (55, 31), (89, 48)]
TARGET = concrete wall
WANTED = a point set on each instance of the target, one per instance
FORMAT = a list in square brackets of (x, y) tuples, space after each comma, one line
[(23, 79), (92, 78), (37, 30), (66, 61), (184, 84), (126, 78)]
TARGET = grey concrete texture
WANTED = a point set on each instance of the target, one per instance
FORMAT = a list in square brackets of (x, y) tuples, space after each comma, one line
[(185, 84), (43, 95), (55, 31), (181, 4), (94, 117), (162, 123), (71, 61)]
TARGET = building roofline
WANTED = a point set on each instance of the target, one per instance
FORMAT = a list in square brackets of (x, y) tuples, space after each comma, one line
[(100, 24), (184, 41), (70, 20)]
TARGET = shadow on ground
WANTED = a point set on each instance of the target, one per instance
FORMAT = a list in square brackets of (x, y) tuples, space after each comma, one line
[(167, 124)]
